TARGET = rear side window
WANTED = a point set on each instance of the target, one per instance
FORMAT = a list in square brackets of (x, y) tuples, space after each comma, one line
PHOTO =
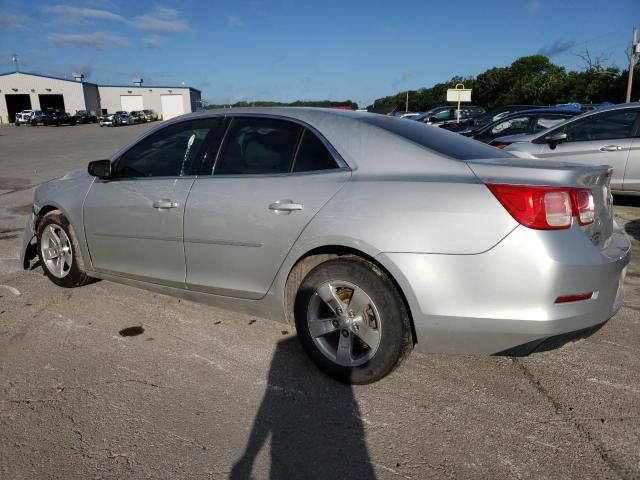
[(436, 139), (605, 126), (512, 125), (256, 146), (313, 155)]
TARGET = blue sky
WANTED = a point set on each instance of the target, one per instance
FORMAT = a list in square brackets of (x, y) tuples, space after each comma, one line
[(289, 50)]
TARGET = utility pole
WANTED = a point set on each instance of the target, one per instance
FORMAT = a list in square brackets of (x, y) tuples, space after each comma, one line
[(406, 106), (633, 60)]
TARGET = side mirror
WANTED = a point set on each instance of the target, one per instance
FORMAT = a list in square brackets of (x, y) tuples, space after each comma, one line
[(556, 138), (100, 169), (432, 119)]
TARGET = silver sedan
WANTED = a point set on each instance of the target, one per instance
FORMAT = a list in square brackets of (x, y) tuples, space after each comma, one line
[(372, 235), (608, 136)]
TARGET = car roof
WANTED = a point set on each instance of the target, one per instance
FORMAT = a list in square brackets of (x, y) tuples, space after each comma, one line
[(363, 135)]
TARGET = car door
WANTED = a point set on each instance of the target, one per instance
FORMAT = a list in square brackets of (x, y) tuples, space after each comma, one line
[(600, 139), (134, 221), (270, 178), (632, 172)]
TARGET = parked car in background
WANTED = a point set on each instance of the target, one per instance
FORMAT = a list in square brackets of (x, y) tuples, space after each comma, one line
[(37, 118), (109, 120), (85, 116), (608, 136), (442, 116), (138, 116), (23, 117), (486, 118), (410, 115), (525, 121), (302, 217), (150, 115), (57, 118), (123, 118)]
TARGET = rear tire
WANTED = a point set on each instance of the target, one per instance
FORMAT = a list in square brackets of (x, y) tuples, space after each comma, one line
[(59, 251), (352, 321)]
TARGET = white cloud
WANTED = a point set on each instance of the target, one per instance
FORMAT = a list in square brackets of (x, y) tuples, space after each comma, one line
[(13, 19), (234, 21), (162, 19), (96, 41), (534, 6), (85, 13)]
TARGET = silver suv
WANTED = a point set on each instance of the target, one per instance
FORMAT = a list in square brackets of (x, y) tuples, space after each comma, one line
[(603, 137)]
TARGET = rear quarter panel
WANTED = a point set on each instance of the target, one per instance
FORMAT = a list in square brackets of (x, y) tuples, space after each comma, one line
[(405, 214)]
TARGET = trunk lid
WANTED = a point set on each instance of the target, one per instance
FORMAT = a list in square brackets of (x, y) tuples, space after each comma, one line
[(542, 172)]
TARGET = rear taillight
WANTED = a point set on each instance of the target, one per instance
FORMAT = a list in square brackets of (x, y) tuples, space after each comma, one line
[(545, 208), (584, 207)]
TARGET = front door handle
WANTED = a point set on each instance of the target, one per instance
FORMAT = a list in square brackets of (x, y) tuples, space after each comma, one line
[(285, 206), (164, 204), (610, 148)]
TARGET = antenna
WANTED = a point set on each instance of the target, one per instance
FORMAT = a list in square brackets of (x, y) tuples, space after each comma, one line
[(16, 61)]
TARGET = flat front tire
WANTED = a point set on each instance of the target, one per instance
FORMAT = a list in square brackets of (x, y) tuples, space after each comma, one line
[(58, 251), (352, 321)]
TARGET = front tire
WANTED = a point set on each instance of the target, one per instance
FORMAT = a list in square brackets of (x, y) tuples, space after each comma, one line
[(59, 251), (352, 321)]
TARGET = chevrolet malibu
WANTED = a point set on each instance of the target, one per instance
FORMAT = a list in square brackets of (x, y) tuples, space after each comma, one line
[(371, 234)]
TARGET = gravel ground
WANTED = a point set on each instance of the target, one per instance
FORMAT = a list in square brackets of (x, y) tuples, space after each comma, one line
[(199, 392)]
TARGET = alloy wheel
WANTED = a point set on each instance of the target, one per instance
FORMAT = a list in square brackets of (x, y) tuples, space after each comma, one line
[(344, 323), (56, 250)]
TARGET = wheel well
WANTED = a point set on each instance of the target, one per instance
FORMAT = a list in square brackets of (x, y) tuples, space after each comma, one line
[(42, 212), (319, 255)]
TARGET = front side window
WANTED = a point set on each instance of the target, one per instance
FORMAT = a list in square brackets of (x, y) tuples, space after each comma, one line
[(170, 152), (548, 121), (605, 126), (256, 146), (444, 114)]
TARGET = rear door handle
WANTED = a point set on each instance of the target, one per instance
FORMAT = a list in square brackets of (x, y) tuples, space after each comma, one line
[(610, 148), (285, 206), (164, 204)]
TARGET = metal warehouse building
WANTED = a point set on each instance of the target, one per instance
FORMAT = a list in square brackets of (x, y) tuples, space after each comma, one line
[(24, 91)]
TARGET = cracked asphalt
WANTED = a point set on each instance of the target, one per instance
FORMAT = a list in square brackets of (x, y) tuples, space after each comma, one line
[(198, 392)]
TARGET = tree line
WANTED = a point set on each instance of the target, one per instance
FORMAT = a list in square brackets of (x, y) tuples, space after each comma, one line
[(530, 80)]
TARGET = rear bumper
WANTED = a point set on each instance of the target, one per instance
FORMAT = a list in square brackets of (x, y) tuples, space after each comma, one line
[(504, 298)]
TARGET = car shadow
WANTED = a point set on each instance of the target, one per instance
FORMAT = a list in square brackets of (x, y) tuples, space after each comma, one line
[(626, 200), (313, 422), (633, 229)]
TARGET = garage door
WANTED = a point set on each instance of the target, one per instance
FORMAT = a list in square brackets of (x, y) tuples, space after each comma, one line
[(172, 106), (131, 103), (17, 103)]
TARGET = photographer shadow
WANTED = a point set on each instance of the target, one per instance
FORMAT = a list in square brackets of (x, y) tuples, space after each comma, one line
[(314, 424)]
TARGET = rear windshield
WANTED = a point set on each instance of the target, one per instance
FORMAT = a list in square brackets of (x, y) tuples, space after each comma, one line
[(452, 145)]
